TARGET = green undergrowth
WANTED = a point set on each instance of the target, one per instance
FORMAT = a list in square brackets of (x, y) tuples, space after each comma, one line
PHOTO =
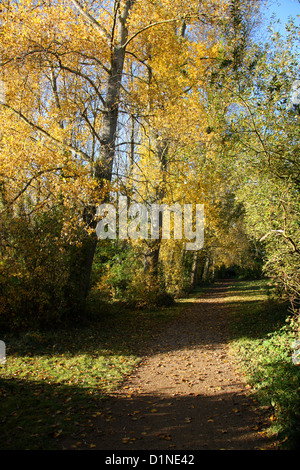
[(52, 381), (55, 382), (263, 331)]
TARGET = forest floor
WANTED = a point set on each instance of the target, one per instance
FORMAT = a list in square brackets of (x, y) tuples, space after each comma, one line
[(186, 393)]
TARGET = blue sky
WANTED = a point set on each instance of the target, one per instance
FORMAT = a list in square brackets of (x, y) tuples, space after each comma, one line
[(284, 9)]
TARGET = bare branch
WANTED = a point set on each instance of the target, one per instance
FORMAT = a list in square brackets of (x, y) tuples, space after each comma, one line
[(92, 128), (281, 232), (91, 20), (86, 77), (270, 233)]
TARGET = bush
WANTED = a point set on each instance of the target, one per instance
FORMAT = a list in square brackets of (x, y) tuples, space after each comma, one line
[(264, 332), (37, 287)]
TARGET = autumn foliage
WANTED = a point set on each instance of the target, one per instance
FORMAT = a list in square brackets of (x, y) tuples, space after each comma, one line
[(143, 99)]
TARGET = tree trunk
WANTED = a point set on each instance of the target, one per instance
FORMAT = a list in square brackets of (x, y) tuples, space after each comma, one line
[(105, 161), (161, 148), (108, 136), (206, 268), (194, 269), (153, 246), (151, 258)]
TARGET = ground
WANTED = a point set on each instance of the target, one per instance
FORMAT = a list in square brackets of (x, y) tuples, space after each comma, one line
[(186, 393)]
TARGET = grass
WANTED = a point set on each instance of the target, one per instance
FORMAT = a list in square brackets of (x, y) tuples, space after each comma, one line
[(52, 381), (263, 331)]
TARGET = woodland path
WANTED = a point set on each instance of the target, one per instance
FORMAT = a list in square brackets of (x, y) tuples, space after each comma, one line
[(186, 393)]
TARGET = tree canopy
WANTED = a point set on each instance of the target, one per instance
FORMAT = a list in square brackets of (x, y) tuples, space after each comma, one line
[(159, 102)]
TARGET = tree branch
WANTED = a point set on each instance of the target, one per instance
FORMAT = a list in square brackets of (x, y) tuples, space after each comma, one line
[(86, 77), (46, 134), (91, 20), (22, 191), (281, 232), (149, 26)]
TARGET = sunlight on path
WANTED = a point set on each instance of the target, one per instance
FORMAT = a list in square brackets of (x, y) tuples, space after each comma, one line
[(186, 393)]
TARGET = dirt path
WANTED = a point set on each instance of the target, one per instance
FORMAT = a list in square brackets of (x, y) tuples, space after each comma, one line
[(185, 394)]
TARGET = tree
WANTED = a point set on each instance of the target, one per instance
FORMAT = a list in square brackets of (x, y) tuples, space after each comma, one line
[(170, 103), (263, 145), (63, 64)]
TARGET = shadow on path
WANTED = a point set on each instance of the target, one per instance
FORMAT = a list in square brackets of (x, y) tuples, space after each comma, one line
[(185, 394)]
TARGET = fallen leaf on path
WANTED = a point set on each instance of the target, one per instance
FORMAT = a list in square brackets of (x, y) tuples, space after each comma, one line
[(166, 437)]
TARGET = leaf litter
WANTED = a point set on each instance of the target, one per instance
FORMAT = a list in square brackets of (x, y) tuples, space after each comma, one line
[(186, 393)]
